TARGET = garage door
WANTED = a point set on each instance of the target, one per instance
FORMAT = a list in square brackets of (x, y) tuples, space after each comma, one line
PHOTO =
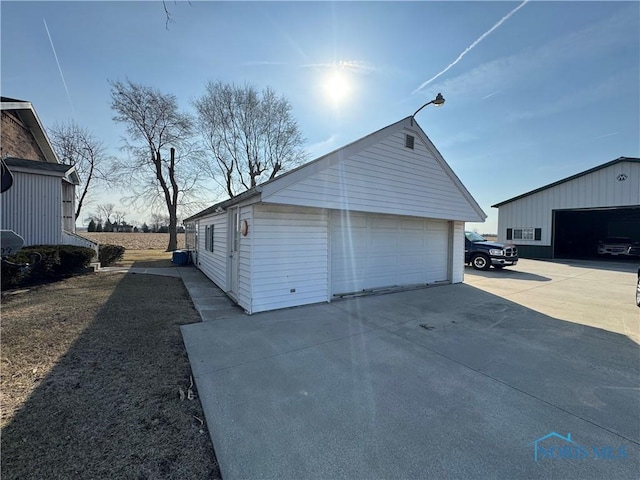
[(373, 251), (577, 232)]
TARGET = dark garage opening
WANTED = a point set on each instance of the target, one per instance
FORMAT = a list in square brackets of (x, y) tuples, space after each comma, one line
[(577, 232)]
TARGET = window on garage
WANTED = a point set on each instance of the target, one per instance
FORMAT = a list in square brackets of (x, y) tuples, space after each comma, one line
[(524, 233), (208, 238)]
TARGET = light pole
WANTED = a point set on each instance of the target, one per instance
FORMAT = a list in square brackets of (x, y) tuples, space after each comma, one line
[(438, 101)]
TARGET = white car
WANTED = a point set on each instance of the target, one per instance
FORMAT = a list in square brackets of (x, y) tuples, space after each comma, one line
[(614, 246)]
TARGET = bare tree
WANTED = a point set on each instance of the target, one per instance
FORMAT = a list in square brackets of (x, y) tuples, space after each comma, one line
[(77, 146), (159, 220), (251, 136), (105, 210), (119, 216), (156, 128), (169, 18)]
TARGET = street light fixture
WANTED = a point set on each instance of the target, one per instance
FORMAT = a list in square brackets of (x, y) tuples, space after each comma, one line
[(438, 101)]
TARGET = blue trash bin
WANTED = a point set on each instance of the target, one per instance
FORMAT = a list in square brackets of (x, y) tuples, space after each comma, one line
[(180, 257)]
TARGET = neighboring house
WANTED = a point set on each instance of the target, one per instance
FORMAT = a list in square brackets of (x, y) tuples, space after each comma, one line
[(40, 205), (567, 218), (384, 211)]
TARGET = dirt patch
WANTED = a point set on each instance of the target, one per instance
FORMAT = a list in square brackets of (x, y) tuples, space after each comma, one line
[(135, 241), (93, 369)]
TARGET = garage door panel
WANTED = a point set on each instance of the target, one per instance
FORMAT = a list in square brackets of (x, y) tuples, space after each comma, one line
[(412, 260), (376, 221), (384, 251), (353, 220), (411, 278), (411, 224), (412, 240)]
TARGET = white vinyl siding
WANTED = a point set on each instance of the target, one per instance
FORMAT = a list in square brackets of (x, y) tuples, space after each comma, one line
[(290, 253), (244, 264), (374, 251), (68, 207), (32, 208), (594, 190), (457, 266), (214, 264), (385, 177)]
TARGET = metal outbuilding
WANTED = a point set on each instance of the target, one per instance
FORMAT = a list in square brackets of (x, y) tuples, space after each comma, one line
[(567, 218)]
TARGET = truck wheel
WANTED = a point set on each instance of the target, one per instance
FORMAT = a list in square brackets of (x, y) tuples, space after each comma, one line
[(480, 262)]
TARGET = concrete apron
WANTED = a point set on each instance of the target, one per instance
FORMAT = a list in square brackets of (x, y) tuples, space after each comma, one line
[(443, 382)]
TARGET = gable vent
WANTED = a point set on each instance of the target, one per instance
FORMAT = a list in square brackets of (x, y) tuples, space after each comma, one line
[(409, 141)]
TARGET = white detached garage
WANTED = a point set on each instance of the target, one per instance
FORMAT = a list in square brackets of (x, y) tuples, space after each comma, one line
[(384, 211)]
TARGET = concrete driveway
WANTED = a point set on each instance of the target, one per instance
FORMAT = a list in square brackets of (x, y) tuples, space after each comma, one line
[(443, 382), (599, 294)]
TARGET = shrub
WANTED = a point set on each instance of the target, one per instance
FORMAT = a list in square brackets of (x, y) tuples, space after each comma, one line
[(39, 263), (108, 254)]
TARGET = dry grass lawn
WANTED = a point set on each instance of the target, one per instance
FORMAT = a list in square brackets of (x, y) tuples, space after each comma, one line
[(145, 259), (135, 241), (92, 373)]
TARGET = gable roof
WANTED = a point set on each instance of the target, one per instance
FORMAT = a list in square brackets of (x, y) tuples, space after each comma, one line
[(27, 114), (568, 179), (272, 187)]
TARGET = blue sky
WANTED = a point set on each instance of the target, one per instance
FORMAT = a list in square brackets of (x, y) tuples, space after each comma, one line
[(534, 92)]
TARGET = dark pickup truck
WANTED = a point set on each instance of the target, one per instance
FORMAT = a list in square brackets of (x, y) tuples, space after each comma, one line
[(482, 254)]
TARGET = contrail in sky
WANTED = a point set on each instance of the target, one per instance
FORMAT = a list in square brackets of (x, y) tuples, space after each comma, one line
[(490, 95), (73, 110), (470, 47)]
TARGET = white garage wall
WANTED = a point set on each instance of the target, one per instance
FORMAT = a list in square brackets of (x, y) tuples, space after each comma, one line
[(597, 189), (386, 177), (290, 252), (244, 274), (457, 267), (214, 264)]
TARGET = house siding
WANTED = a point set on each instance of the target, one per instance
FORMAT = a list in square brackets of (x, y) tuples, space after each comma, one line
[(290, 248), (32, 208), (457, 266), (244, 274), (68, 207), (386, 177), (597, 189), (214, 264)]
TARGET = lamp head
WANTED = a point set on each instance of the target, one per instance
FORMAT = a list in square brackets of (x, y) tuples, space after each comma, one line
[(439, 100)]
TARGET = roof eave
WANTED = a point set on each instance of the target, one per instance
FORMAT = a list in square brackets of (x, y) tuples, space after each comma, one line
[(28, 115), (222, 206)]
